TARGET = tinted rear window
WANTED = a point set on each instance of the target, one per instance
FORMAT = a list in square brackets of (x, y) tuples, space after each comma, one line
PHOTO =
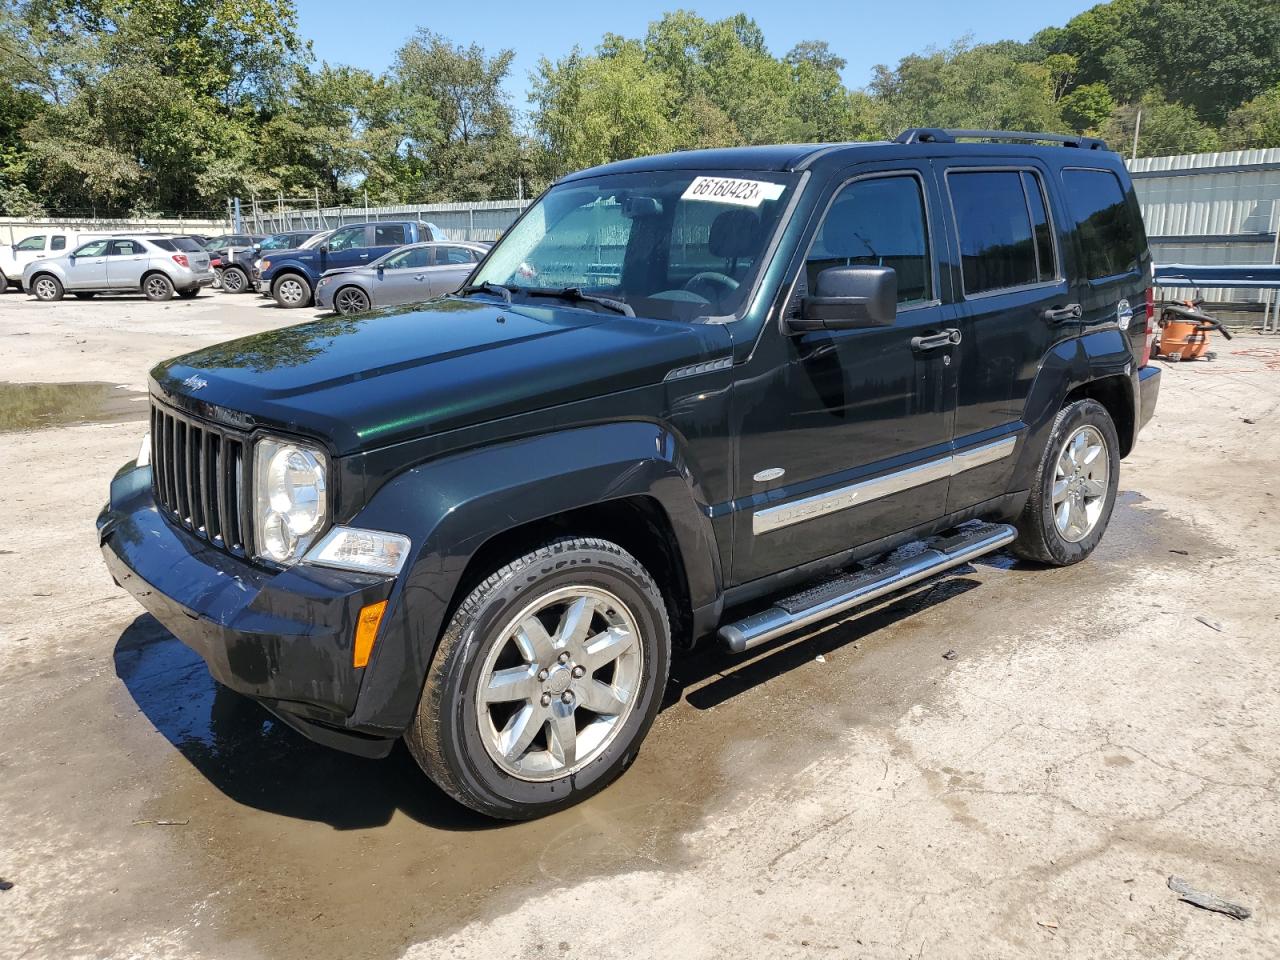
[(997, 246), (386, 234), (1105, 221), (186, 244), (163, 244)]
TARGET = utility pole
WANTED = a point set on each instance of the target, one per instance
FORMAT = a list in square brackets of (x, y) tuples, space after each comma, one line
[(1137, 126)]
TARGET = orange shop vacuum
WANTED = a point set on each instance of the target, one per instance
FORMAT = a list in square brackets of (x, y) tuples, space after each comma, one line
[(1184, 332)]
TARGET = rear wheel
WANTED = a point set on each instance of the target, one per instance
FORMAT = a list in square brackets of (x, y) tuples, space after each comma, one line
[(157, 287), (350, 300), (545, 681), (47, 287), (235, 280), (291, 291), (1074, 489)]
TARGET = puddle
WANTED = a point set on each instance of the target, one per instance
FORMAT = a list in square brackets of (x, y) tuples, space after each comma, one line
[(40, 406)]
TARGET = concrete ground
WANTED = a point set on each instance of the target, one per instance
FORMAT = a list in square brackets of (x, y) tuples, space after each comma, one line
[(850, 793)]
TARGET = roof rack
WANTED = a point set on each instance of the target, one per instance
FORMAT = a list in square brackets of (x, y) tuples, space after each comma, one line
[(937, 135)]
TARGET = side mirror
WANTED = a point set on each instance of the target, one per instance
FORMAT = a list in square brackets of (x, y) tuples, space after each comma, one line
[(850, 298), (381, 272)]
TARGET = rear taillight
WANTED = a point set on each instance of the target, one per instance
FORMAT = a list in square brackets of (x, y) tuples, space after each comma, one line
[(181, 260), (1150, 337), (215, 261)]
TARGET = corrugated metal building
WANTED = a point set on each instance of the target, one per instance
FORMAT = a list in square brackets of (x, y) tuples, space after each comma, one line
[(1212, 208)]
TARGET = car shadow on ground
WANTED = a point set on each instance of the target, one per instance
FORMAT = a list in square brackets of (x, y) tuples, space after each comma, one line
[(256, 760), (711, 676)]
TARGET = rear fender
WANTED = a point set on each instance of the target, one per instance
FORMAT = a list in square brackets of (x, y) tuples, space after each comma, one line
[(451, 507), (1069, 366)]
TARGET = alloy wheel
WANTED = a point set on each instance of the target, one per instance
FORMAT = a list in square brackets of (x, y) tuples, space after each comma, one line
[(1080, 483), (45, 289), (351, 300), (558, 683)]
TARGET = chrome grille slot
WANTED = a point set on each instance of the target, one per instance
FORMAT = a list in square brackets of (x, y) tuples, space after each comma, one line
[(197, 474)]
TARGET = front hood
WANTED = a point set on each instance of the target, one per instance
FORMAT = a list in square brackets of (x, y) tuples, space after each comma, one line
[(366, 382), (337, 270)]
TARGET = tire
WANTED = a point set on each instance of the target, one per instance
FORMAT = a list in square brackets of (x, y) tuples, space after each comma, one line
[(291, 291), (189, 294), (234, 280), (46, 287), (157, 287), (1042, 535), (349, 300), (455, 739), (217, 279), (84, 296)]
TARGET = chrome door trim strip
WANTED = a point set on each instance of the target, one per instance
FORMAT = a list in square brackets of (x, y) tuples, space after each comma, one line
[(856, 494)]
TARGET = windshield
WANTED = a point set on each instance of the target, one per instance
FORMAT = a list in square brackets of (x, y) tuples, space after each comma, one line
[(672, 244), (281, 241)]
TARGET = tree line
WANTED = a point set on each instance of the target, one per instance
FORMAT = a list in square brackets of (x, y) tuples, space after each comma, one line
[(114, 107)]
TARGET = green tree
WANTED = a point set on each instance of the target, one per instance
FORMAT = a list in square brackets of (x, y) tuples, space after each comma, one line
[(1255, 124), (460, 142), (969, 87), (1087, 108), (1167, 129)]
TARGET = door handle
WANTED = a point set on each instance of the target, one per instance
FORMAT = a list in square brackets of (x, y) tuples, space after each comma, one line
[(420, 276), (947, 338), (1071, 311)]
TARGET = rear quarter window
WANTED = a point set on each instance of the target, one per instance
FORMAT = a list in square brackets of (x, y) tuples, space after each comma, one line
[(1104, 220), (186, 244), (163, 244)]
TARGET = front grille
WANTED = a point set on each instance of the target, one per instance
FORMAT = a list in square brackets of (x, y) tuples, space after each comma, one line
[(198, 474)]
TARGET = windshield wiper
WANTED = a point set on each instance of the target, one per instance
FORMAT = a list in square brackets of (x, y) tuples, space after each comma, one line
[(496, 289), (576, 295)]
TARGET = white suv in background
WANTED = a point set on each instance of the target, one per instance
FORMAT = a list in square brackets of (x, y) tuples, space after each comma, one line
[(15, 256), (158, 266)]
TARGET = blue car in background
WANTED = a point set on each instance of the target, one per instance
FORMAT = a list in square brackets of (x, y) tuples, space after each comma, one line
[(291, 276)]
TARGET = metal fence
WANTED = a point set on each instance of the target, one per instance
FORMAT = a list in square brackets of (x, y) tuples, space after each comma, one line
[(473, 220)]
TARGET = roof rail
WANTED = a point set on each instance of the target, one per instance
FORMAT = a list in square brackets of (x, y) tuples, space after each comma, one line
[(938, 135)]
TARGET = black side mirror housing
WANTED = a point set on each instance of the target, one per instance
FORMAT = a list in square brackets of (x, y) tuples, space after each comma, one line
[(850, 298), (381, 272)]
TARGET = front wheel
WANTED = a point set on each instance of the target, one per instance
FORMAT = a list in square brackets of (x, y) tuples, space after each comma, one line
[(545, 681), (1074, 489), (291, 291), (350, 300), (47, 288)]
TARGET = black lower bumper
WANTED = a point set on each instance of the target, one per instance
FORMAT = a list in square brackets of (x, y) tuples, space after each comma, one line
[(283, 637), (1148, 391)]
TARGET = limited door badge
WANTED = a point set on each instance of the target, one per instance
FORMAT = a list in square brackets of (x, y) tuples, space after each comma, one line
[(1124, 313)]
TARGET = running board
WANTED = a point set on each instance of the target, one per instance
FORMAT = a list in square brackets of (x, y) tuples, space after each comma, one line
[(833, 596)]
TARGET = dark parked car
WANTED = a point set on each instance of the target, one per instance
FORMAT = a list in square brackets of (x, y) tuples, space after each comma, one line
[(708, 393), (235, 264), (291, 275)]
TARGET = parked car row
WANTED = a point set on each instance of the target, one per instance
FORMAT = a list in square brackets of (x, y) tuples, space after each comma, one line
[(350, 269)]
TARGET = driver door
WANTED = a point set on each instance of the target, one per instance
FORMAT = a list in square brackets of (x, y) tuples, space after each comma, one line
[(403, 277), (845, 435), (348, 247), (87, 268)]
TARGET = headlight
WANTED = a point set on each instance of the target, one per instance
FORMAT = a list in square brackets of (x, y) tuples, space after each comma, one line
[(325, 280), (265, 264), (290, 502), (371, 551)]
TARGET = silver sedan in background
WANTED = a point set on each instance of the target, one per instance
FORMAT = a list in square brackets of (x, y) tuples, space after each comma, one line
[(417, 271)]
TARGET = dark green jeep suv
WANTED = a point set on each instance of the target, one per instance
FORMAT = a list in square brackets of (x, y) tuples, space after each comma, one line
[(690, 395)]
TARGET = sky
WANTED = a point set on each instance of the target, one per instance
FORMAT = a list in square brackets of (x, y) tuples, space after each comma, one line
[(863, 33)]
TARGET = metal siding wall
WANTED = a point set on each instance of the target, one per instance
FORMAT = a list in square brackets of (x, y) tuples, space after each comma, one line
[(1227, 200)]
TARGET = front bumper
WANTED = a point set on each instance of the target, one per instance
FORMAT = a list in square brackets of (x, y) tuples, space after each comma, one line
[(283, 637), (324, 296), (1148, 391)]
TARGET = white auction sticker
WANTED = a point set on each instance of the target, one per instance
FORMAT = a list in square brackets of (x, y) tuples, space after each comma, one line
[(744, 193)]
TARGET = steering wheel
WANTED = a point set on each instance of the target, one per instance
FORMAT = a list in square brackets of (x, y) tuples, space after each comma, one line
[(710, 285)]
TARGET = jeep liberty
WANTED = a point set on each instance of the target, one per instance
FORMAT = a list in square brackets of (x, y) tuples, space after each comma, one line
[(703, 394)]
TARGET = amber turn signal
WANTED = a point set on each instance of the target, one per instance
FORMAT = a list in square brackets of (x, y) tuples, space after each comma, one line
[(367, 632)]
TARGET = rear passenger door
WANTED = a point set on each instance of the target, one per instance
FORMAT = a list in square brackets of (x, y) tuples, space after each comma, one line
[(450, 266), (126, 262), (1015, 303)]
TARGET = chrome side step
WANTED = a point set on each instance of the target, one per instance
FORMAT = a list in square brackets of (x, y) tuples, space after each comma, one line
[(833, 596)]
